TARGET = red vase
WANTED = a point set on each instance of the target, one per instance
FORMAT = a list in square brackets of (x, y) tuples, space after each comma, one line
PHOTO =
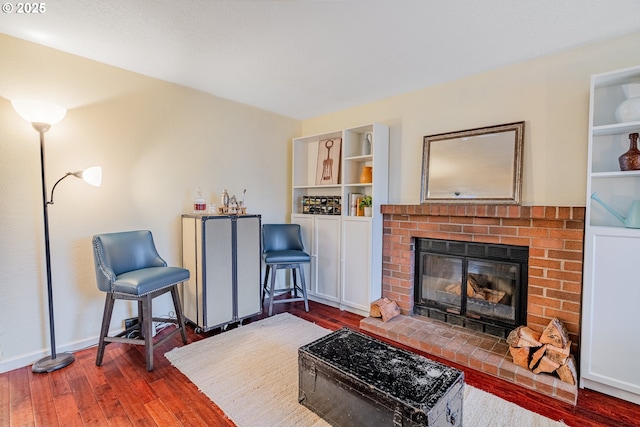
[(630, 161)]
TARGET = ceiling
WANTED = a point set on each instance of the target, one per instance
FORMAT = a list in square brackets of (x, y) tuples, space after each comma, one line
[(304, 58)]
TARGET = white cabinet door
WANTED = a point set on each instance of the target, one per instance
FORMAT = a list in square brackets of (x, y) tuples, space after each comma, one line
[(321, 239), (327, 240), (191, 295), (248, 266), (356, 259), (611, 350), (307, 228), (217, 273)]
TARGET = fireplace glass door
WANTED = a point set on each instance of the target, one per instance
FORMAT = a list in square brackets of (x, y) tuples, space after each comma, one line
[(491, 288), (441, 279), (479, 290)]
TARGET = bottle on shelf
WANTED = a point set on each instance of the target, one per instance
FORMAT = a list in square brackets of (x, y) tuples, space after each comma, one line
[(366, 144), (199, 202), (224, 199)]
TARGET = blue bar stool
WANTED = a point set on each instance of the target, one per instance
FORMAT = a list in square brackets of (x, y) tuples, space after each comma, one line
[(282, 248), (128, 267)]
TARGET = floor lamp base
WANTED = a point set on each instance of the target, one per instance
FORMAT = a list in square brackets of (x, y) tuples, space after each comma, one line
[(47, 364)]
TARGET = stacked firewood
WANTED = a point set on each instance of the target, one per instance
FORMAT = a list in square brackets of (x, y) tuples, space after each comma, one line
[(385, 308), (546, 352), (474, 290)]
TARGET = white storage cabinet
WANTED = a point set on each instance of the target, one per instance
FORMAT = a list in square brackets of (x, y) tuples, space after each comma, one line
[(610, 341), (223, 254)]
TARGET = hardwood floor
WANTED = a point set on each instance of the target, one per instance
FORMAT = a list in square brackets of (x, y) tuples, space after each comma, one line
[(122, 393)]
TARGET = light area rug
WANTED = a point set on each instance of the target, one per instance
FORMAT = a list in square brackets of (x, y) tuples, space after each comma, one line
[(251, 373)]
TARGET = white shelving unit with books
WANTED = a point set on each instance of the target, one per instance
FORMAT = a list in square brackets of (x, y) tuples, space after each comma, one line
[(346, 246)]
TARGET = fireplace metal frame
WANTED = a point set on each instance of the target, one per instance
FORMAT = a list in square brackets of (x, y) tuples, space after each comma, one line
[(473, 251)]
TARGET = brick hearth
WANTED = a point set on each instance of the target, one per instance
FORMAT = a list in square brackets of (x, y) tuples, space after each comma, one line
[(554, 236)]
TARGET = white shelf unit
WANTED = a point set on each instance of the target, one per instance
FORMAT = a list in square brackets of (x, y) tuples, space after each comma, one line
[(609, 340), (346, 250)]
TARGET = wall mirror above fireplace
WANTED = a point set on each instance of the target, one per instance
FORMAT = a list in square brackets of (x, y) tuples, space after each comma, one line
[(482, 165)]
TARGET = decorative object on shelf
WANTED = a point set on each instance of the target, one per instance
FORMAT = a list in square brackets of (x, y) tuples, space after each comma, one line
[(199, 202), (366, 144), (482, 165), (328, 167), (230, 210), (42, 115), (353, 203), (230, 204), (233, 203), (365, 204), (366, 177), (629, 110), (224, 199), (321, 205), (630, 161), (632, 220)]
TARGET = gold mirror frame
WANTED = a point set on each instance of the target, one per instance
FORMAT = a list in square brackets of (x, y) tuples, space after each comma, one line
[(475, 166)]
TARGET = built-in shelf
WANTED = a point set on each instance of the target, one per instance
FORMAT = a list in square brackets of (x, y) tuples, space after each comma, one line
[(346, 249), (616, 129), (608, 361)]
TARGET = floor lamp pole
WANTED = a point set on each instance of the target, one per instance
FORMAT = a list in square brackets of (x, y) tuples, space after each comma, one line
[(54, 361)]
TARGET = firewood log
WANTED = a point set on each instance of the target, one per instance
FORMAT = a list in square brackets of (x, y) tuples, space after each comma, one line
[(493, 296), (454, 288), (375, 307), (546, 365), (568, 372), (555, 334), (536, 357), (389, 311), (385, 308), (475, 288), (558, 355), (523, 336), (520, 356)]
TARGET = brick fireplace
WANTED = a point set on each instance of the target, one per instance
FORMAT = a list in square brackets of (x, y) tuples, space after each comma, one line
[(554, 236)]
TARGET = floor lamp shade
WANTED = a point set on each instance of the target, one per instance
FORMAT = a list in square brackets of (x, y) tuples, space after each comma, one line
[(92, 176), (39, 111)]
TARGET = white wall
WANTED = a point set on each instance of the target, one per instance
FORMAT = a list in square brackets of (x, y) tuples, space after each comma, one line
[(551, 94), (155, 141)]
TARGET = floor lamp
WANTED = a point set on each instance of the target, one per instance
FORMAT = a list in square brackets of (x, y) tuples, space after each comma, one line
[(42, 115)]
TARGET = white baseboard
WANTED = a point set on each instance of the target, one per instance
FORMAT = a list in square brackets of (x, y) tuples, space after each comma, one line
[(31, 358)]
